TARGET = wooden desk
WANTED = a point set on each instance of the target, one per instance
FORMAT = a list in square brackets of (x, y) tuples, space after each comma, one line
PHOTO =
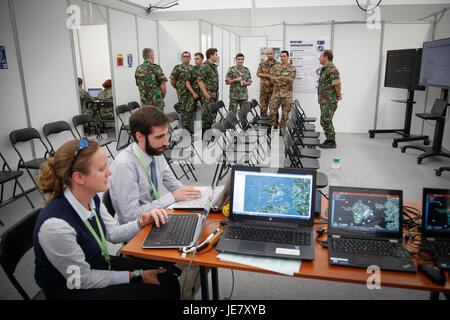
[(319, 268)]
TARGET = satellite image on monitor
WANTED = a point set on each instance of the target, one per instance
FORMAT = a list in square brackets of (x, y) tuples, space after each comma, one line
[(371, 213), (276, 195)]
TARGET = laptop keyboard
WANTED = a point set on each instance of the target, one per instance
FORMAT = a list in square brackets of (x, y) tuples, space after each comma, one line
[(178, 230), (379, 248), (269, 235), (440, 247)]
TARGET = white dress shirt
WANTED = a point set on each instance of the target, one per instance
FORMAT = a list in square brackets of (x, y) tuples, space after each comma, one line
[(129, 187), (58, 240)]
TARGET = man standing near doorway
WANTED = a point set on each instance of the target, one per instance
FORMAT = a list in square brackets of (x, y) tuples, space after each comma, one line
[(151, 81), (329, 93), (208, 81), (266, 88), (282, 76), (179, 78), (238, 77)]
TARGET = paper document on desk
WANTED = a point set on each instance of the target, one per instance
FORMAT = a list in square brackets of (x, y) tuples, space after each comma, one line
[(279, 265)]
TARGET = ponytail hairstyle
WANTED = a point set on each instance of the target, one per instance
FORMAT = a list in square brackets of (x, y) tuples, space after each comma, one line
[(56, 172)]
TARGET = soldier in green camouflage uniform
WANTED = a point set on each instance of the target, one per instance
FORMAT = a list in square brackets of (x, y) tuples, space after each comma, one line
[(85, 98), (151, 81), (179, 78), (266, 89), (282, 76), (106, 96), (198, 59), (329, 93), (238, 77), (208, 80)]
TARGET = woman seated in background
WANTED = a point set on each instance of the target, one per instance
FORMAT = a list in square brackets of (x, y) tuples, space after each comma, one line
[(72, 259), (106, 93)]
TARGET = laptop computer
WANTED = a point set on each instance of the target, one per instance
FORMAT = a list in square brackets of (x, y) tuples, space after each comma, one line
[(94, 92), (435, 225), (271, 213), (365, 229)]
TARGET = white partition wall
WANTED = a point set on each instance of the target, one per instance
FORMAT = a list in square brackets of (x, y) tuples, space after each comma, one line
[(228, 61), (206, 36), (147, 37), (174, 38), (250, 48), (217, 42), (391, 114), (123, 38), (356, 55)]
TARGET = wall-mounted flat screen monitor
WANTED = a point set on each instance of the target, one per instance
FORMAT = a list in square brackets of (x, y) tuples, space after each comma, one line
[(403, 69), (435, 69)]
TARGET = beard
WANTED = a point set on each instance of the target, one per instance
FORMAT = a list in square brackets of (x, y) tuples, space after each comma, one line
[(152, 151)]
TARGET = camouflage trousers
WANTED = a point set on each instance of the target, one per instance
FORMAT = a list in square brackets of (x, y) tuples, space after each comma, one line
[(327, 111), (264, 100), (186, 108), (208, 118), (285, 110), (234, 104)]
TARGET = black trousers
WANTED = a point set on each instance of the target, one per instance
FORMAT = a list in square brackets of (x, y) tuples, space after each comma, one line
[(168, 290)]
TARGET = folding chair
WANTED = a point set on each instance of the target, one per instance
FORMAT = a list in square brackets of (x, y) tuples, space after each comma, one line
[(301, 126), (133, 105), (122, 111), (302, 112), (53, 128), (7, 175), (28, 135), (297, 137), (294, 158), (83, 119), (16, 242), (104, 108)]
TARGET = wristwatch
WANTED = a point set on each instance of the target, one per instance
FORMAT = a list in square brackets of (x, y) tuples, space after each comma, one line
[(137, 277)]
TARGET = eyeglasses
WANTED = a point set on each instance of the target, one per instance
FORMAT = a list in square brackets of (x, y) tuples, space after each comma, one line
[(186, 56), (82, 144)]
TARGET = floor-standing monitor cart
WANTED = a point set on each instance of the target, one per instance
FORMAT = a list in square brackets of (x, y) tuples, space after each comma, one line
[(405, 132), (444, 96)]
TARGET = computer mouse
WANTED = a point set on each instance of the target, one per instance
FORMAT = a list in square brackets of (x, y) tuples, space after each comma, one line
[(433, 273)]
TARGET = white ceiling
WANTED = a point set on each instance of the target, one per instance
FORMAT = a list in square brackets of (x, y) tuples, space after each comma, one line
[(184, 5)]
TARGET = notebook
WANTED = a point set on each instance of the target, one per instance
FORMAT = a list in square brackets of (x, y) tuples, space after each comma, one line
[(94, 92), (271, 213), (365, 229), (435, 225), (180, 230)]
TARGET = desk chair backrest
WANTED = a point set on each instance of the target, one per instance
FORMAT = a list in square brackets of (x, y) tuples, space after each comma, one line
[(439, 107), (56, 128), (15, 243)]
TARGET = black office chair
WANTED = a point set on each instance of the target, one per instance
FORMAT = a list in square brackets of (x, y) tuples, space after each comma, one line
[(83, 119), (16, 242), (6, 175), (437, 114), (53, 128), (28, 135)]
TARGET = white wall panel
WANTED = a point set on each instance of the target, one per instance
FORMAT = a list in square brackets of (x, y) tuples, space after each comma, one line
[(147, 37), (217, 42), (228, 61), (250, 48)]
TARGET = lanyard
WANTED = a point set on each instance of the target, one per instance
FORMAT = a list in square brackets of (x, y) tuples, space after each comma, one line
[(138, 156), (102, 242)]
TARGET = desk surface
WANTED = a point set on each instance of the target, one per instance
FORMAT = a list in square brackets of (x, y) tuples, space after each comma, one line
[(319, 268)]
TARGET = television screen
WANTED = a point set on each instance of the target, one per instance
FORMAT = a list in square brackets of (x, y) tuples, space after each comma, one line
[(403, 69), (436, 63)]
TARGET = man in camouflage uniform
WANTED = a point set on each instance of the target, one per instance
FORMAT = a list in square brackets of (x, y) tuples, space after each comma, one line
[(266, 89), (208, 80), (329, 93), (85, 98), (282, 76), (151, 81), (198, 59), (179, 79), (238, 77), (107, 113)]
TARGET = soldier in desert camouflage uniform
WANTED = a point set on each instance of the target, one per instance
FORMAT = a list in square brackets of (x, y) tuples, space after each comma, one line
[(282, 76), (151, 81), (238, 77), (106, 96), (329, 93), (208, 80), (266, 88), (179, 79)]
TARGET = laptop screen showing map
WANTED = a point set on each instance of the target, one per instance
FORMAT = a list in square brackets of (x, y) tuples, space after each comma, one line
[(365, 211), (272, 194)]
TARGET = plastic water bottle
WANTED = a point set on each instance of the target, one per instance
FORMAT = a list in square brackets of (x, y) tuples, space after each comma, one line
[(336, 177)]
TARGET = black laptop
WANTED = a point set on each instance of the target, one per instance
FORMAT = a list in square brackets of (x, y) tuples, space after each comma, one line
[(365, 229), (94, 92), (435, 225), (271, 213)]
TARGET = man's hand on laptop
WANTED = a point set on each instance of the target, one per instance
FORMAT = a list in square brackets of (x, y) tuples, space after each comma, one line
[(156, 216), (186, 192)]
